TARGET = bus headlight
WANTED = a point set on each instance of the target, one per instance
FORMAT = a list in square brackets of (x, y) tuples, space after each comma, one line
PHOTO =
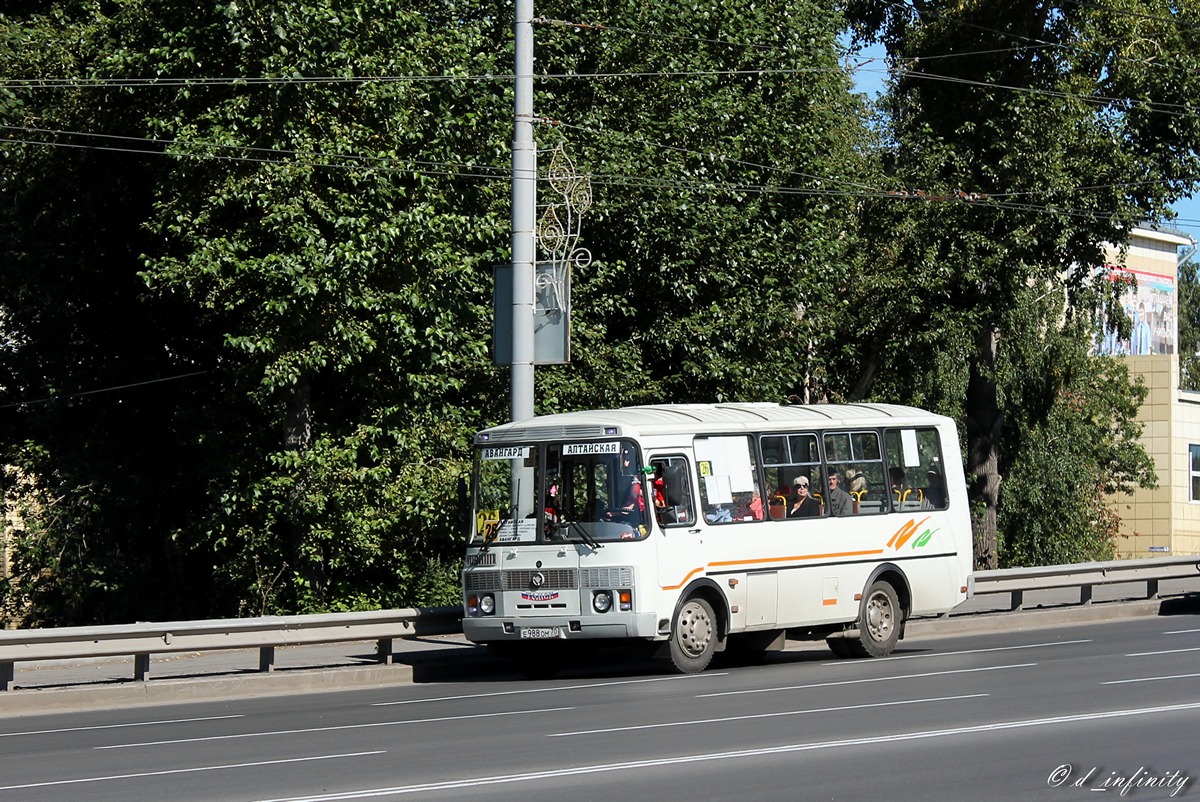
[(481, 605), (602, 601)]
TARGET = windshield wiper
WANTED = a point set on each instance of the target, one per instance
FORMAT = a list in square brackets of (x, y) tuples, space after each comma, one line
[(584, 535)]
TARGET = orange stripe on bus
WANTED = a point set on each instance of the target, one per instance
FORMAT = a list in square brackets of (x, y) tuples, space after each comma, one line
[(727, 563), (828, 602), (690, 574)]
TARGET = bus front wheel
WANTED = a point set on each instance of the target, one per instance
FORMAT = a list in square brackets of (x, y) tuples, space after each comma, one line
[(694, 636)]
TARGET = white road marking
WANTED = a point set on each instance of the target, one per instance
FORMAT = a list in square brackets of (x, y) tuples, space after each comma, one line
[(1149, 679), (893, 678), (674, 761), (964, 651), (336, 728), (1164, 651), (164, 772), (553, 688), (117, 726), (767, 715)]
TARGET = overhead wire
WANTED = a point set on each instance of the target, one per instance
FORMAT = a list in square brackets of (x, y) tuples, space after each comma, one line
[(449, 168)]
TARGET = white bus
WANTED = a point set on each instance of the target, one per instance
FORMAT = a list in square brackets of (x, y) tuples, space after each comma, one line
[(713, 527)]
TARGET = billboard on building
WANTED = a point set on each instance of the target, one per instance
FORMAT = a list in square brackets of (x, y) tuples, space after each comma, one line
[(1151, 308)]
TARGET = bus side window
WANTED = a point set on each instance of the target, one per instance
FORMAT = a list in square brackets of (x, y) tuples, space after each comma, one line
[(729, 485), (915, 476), (859, 460), (788, 458)]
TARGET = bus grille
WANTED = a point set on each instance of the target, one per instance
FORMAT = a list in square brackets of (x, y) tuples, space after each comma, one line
[(481, 580), (555, 579), (606, 577)]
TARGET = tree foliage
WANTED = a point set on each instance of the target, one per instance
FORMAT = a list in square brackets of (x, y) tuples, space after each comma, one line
[(1025, 135), (306, 252), (247, 252)]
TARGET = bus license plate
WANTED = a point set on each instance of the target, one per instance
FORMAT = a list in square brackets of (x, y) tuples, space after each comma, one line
[(541, 632)]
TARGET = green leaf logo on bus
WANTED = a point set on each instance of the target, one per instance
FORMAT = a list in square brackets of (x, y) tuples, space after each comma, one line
[(905, 533)]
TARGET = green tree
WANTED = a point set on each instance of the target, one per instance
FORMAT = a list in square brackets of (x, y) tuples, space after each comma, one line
[(313, 235), (1189, 325), (720, 230), (1026, 135), (1070, 439)]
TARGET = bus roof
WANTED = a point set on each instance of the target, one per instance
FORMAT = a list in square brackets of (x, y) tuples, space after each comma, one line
[(698, 418)]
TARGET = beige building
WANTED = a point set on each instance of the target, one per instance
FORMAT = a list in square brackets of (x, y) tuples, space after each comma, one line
[(1166, 520)]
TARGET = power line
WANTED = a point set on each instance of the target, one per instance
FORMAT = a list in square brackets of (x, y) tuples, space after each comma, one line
[(103, 390), (860, 191)]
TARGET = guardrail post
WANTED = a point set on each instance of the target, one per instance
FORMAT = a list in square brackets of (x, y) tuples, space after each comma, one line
[(141, 667), (266, 659), (1018, 599), (1151, 588), (1085, 594), (383, 651), (8, 672)]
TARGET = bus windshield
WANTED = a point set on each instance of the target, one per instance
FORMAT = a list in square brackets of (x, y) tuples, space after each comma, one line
[(588, 491)]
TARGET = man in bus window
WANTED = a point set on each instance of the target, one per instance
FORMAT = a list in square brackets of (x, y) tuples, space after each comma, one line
[(840, 502), (803, 505)]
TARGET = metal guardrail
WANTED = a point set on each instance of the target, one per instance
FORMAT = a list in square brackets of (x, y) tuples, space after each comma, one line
[(145, 639), (267, 633), (1085, 576)]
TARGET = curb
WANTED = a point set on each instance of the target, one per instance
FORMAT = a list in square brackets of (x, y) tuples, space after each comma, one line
[(131, 693), (1037, 618)]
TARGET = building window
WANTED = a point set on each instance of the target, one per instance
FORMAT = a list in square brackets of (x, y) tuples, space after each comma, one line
[(1194, 471)]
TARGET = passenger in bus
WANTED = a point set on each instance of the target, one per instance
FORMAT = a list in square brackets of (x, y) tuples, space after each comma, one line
[(935, 489), (840, 503), (747, 507), (634, 504), (902, 494), (803, 505), (666, 513), (857, 485)]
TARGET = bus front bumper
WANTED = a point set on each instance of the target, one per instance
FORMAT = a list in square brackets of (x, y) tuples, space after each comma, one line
[(487, 629)]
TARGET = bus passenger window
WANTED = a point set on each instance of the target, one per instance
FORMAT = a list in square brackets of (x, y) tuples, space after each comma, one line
[(790, 460), (729, 483), (916, 478), (858, 459)]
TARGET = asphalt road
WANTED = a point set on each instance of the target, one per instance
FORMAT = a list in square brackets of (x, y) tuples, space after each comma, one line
[(1056, 713)]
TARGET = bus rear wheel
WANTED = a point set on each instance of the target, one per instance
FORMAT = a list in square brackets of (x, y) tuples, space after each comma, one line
[(879, 621), (694, 636)]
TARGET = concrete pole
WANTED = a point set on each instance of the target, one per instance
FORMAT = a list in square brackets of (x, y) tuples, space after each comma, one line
[(524, 212)]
